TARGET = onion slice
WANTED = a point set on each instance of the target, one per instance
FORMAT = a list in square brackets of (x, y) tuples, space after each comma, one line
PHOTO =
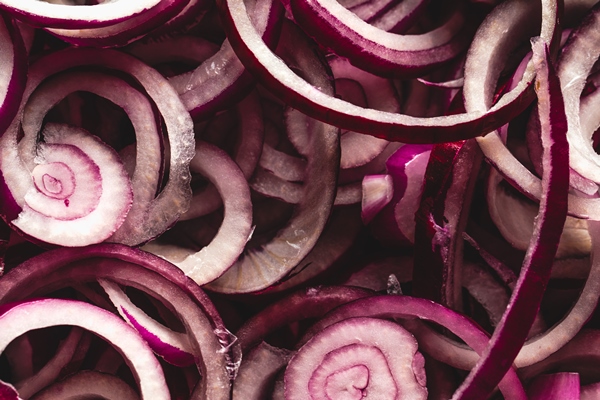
[(511, 332), (350, 359), (213, 260), (281, 80), (37, 314)]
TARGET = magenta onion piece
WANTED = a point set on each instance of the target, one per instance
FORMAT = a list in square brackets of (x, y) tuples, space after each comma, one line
[(42, 313), (8, 392), (85, 384), (511, 333), (215, 259), (558, 386), (377, 192), (173, 346), (350, 359)]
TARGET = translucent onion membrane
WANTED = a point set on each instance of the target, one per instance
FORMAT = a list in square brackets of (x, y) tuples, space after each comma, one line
[(213, 349)]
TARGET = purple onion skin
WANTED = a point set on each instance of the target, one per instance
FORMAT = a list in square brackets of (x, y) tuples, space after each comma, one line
[(430, 272), (558, 386), (170, 353), (512, 331), (16, 86), (385, 221), (8, 392)]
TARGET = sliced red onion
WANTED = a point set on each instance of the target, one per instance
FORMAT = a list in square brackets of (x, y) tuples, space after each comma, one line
[(373, 49), (190, 15), (261, 267), (222, 77), (213, 260), (123, 32), (8, 392), (259, 369), (150, 274), (164, 209), (319, 143), (512, 331), (379, 94), (577, 59), (146, 159), (349, 359), (271, 185), (441, 219), (375, 9), (479, 94), (281, 165), (42, 13), (49, 372), (397, 16), (13, 70), (395, 306), (76, 204), (300, 305), (185, 48), (87, 384), (42, 313), (558, 386), (514, 217), (247, 153), (281, 80), (173, 346)]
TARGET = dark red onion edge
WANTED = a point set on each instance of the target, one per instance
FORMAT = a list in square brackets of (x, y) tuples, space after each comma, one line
[(511, 332), (18, 79)]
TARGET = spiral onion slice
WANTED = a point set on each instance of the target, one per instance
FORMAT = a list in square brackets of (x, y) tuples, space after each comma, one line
[(79, 186)]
